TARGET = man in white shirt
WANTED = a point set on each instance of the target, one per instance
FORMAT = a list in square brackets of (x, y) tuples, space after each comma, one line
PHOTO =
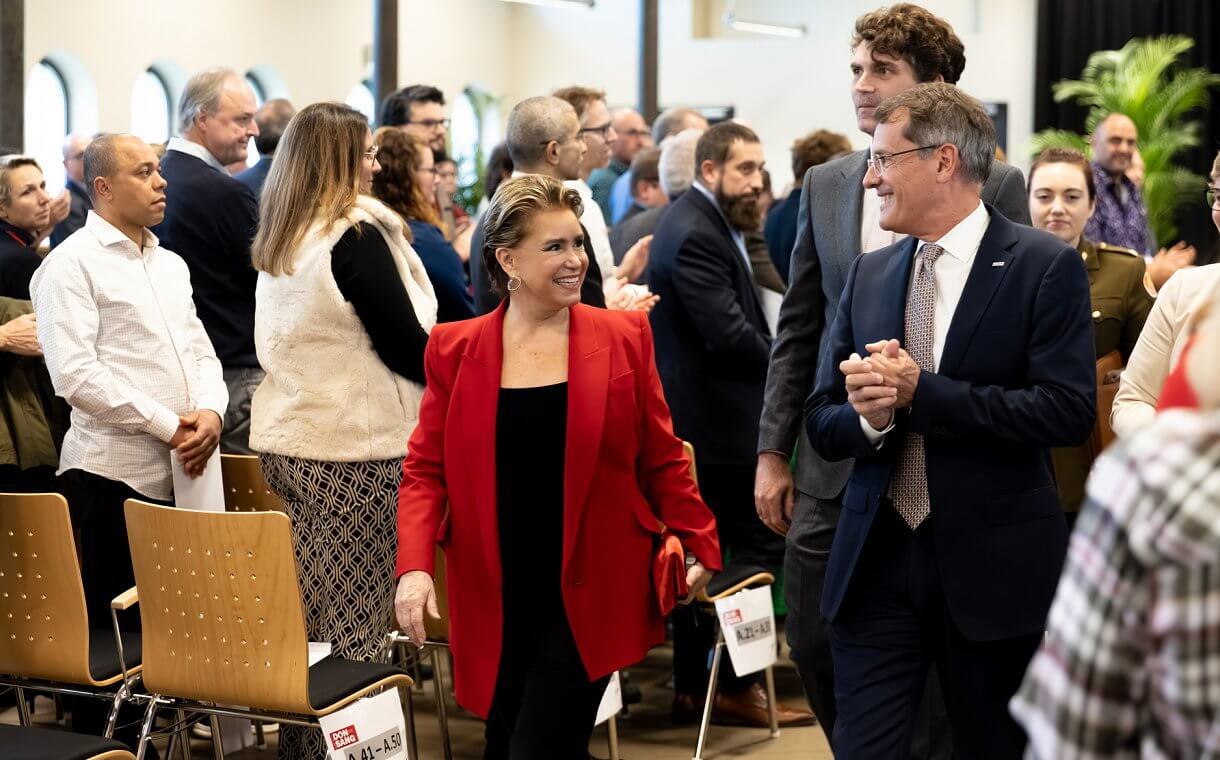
[(126, 350), (976, 335)]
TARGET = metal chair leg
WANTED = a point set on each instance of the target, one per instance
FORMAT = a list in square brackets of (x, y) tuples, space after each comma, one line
[(717, 651), (23, 707), (218, 747), (146, 728), (184, 735), (260, 738), (442, 709), (113, 716), (772, 707), (59, 708), (408, 711), (612, 736)]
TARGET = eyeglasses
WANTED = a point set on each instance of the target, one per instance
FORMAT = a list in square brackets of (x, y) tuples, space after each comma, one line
[(371, 153), (562, 141), (1213, 195), (431, 123), (879, 162), (603, 130)]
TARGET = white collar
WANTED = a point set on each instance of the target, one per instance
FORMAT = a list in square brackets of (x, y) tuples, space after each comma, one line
[(963, 241), (183, 145), (109, 235)]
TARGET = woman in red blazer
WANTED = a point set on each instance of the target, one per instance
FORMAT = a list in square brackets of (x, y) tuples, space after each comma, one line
[(543, 460)]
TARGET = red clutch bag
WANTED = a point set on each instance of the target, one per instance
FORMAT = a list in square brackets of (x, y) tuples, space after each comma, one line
[(669, 572)]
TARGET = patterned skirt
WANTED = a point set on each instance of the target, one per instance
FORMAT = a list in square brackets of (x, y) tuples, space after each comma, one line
[(345, 535)]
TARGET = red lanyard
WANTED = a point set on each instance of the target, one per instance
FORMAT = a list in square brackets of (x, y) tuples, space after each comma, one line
[(14, 237)]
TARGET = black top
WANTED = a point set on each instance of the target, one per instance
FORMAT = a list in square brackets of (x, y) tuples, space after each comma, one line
[(531, 430), (18, 261), (444, 266), (485, 300), (81, 205), (364, 270), (210, 220)]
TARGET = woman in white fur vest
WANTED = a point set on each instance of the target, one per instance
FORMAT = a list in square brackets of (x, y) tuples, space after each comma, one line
[(343, 311)]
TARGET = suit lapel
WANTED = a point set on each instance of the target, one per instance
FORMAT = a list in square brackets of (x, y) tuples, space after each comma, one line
[(849, 210), (588, 381), (991, 264), (708, 209), (895, 282), (477, 398)]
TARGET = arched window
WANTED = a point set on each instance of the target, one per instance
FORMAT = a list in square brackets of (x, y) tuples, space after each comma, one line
[(152, 111), (362, 99), (474, 131), (46, 120)]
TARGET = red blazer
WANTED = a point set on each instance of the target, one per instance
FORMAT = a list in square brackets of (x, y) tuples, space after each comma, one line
[(623, 470)]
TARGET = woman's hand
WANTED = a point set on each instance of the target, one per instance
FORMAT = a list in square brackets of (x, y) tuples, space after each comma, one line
[(416, 593), (697, 577), (20, 336)]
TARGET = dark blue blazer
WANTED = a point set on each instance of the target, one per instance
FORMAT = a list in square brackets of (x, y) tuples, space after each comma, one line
[(444, 267), (1017, 376), (712, 340), (210, 220), (256, 176), (780, 231)]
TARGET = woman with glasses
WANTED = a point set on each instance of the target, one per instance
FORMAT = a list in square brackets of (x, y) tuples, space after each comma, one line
[(1178, 304), (1061, 199), (406, 183), (343, 311)]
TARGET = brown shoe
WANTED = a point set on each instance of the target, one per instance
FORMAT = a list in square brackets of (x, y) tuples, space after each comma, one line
[(749, 708), (687, 709)]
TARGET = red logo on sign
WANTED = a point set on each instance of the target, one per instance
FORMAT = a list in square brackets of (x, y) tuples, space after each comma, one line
[(343, 737), (732, 617)]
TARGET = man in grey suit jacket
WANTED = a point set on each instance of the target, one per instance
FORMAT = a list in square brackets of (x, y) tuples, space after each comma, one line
[(893, 49)]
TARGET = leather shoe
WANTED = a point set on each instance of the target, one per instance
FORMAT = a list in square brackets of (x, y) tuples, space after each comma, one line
[(749, 708), (687, 709)]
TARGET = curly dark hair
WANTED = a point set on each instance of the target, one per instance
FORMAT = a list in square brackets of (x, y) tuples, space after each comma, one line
[(399, 155), (817, 148), (913, 34)]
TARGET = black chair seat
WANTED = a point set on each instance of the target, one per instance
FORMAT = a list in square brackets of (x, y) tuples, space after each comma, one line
[(18, 743), (104, 657), (332, 679), (733, 575)]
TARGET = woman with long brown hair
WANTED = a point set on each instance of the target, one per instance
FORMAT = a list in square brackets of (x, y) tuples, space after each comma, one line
[(407, 184), (343, 310)]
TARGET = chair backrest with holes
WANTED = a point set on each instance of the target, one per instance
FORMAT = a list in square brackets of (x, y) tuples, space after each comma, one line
[(245, 488), (44, 628), (220, 606)]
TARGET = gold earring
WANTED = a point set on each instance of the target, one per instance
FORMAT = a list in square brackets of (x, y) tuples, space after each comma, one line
[(513, 288)]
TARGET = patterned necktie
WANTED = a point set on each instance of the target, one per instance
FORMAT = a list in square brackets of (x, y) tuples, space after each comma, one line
[(910, 489)]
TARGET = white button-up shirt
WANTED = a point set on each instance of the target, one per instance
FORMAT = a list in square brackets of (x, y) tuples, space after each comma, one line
[(182, 145), (125, 349)]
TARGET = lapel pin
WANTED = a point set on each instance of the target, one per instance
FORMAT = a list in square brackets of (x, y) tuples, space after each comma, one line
[(997, 263)]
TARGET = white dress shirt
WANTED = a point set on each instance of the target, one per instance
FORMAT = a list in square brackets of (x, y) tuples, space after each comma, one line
[(182, 145), (595, 225), (951, 271), (872, 237), (125, 349)]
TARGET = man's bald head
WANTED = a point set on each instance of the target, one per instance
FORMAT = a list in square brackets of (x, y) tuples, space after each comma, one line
[(272, 119), (1114, 143), (122, 173), (633, 134), (533, 124)]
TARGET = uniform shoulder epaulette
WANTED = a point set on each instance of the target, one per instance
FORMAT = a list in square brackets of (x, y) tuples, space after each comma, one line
[(1118, 249)]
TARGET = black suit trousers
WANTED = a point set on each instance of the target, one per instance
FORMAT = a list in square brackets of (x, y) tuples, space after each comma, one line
[(892, 627)]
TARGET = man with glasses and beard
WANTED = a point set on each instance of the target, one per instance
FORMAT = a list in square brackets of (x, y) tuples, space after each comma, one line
[(712, 346)]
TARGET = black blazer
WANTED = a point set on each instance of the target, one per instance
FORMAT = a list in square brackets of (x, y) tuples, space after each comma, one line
[(256, 176), (1016, 378), (712, 340), (486, 300), (210, 220), (81, 205)]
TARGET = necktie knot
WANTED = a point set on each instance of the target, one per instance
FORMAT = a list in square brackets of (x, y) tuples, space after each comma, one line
[(930, 253)]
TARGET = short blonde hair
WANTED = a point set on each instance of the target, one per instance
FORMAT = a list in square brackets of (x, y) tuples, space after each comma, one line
[(515, 204), (7, 164), (315, 178)]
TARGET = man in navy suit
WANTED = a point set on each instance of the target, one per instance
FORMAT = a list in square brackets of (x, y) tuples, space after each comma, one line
[(958, 357), (712, 346), (272, 119)]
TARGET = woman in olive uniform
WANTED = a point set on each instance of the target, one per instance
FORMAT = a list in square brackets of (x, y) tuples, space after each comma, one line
[(1061, 197)]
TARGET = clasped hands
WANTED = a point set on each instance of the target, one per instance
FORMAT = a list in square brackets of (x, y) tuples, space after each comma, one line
[(880, 383), (195, 439)]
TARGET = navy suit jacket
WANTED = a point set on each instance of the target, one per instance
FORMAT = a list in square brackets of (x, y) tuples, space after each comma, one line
[(712, 340), (256, 176), (444, 268), (1016, 377), (780, 231)]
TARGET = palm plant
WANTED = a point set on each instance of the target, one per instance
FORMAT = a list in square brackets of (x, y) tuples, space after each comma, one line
[(1144, 81)]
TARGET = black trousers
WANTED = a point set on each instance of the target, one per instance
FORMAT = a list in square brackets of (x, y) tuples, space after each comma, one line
[(892, 626), (544, 703), (728, 490), (96, 504)]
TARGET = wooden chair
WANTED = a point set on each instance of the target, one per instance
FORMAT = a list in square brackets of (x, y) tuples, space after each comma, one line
[(46, 643), (224, 625), (245, 488), (48, 744)]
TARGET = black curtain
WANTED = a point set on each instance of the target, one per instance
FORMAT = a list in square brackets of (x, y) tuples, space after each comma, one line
[(1070, 30)]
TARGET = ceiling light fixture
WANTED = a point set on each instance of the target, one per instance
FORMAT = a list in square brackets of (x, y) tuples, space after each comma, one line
[(556, 3), (759, 27)]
